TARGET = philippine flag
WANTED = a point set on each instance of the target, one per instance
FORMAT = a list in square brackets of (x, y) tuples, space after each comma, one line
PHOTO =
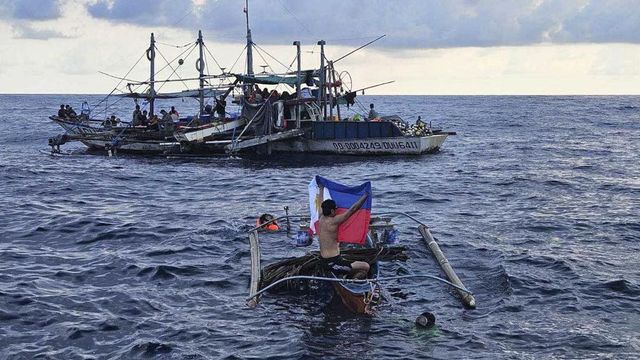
[(354, 230)]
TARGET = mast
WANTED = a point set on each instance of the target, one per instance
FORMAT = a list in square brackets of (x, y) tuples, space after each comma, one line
[(298, 95), (200, 68), (321, 103), (249, 42), (151, 55)]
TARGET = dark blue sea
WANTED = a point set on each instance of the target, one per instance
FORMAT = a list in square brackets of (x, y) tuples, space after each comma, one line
[(536, 203)]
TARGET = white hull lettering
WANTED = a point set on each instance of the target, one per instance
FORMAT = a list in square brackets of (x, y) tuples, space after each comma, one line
[(375, 145)]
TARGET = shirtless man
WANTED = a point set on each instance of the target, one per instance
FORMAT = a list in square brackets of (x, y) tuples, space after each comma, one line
[(329, 246)]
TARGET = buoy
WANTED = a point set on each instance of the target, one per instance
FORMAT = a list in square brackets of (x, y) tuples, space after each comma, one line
[(425, 320)]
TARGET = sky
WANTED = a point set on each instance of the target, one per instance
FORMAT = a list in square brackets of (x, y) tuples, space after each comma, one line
[(431, 47)]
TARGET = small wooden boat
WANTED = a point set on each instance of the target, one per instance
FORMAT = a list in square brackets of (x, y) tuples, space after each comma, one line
[(361, 296)]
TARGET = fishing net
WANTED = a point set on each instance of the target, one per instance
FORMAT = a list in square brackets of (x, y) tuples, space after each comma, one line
[(311, 264)]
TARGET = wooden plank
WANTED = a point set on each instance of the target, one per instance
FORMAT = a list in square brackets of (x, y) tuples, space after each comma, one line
[(466, 298), (285, 135), (255, 268)]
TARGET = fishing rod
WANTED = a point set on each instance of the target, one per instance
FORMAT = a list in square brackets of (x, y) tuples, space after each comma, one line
[(363, 46), (372, 86)]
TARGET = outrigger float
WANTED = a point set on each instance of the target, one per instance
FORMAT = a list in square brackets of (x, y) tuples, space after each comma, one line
[(358, 296), (313, 119)]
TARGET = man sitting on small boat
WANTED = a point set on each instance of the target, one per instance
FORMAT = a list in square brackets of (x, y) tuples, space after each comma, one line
[(373, 114), (71, 114), (329, 246)]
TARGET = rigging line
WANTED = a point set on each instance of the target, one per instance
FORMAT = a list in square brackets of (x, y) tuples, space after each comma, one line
[(273, 71), (357, 102), (117, 77), (265, 60), (174, 70), (120, 82), (120, 99), (355, 38), (296, 18), (293, 61), (213, 57), (185, 15), (171, 45), (179, 55), (265, 51), (238, 58)]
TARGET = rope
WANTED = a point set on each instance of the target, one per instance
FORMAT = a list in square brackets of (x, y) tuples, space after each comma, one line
[(263, 59), (238, 58), (174, 71), (213, 57), (298, 20), (271, 56), (171, 45), (179, 55), (120, 82)]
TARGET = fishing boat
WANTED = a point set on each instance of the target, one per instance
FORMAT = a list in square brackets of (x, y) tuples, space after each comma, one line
[(314, 119), (321, 114), (361, 296), (206, 131)]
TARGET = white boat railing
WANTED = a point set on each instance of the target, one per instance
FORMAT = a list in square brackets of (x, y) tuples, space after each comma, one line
[(353, 281)]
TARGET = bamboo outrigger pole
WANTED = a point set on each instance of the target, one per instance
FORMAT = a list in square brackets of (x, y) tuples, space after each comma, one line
[(255, 269), (467, 299)]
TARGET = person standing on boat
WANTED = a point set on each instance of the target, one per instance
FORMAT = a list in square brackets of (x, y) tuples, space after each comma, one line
[(136, 115), (166, 121), (61, 112), (221, 104), (166, 117), (329, 246), (144, 119), (373, 114)]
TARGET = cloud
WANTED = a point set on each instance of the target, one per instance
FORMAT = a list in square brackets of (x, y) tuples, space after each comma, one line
[(408, 23), (28, 31), (141, 12), (30, 9)]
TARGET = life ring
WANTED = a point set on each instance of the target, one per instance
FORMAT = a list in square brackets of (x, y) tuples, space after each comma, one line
[(265, 218)]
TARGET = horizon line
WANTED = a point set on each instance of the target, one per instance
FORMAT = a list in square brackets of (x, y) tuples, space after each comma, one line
[(488, 94)]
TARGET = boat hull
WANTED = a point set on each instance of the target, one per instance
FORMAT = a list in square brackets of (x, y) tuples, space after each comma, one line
[(356, 297), (371, 146), (132, 147)]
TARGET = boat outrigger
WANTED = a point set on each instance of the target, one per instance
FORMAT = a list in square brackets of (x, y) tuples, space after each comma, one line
[(361, 296), (312, 118)]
